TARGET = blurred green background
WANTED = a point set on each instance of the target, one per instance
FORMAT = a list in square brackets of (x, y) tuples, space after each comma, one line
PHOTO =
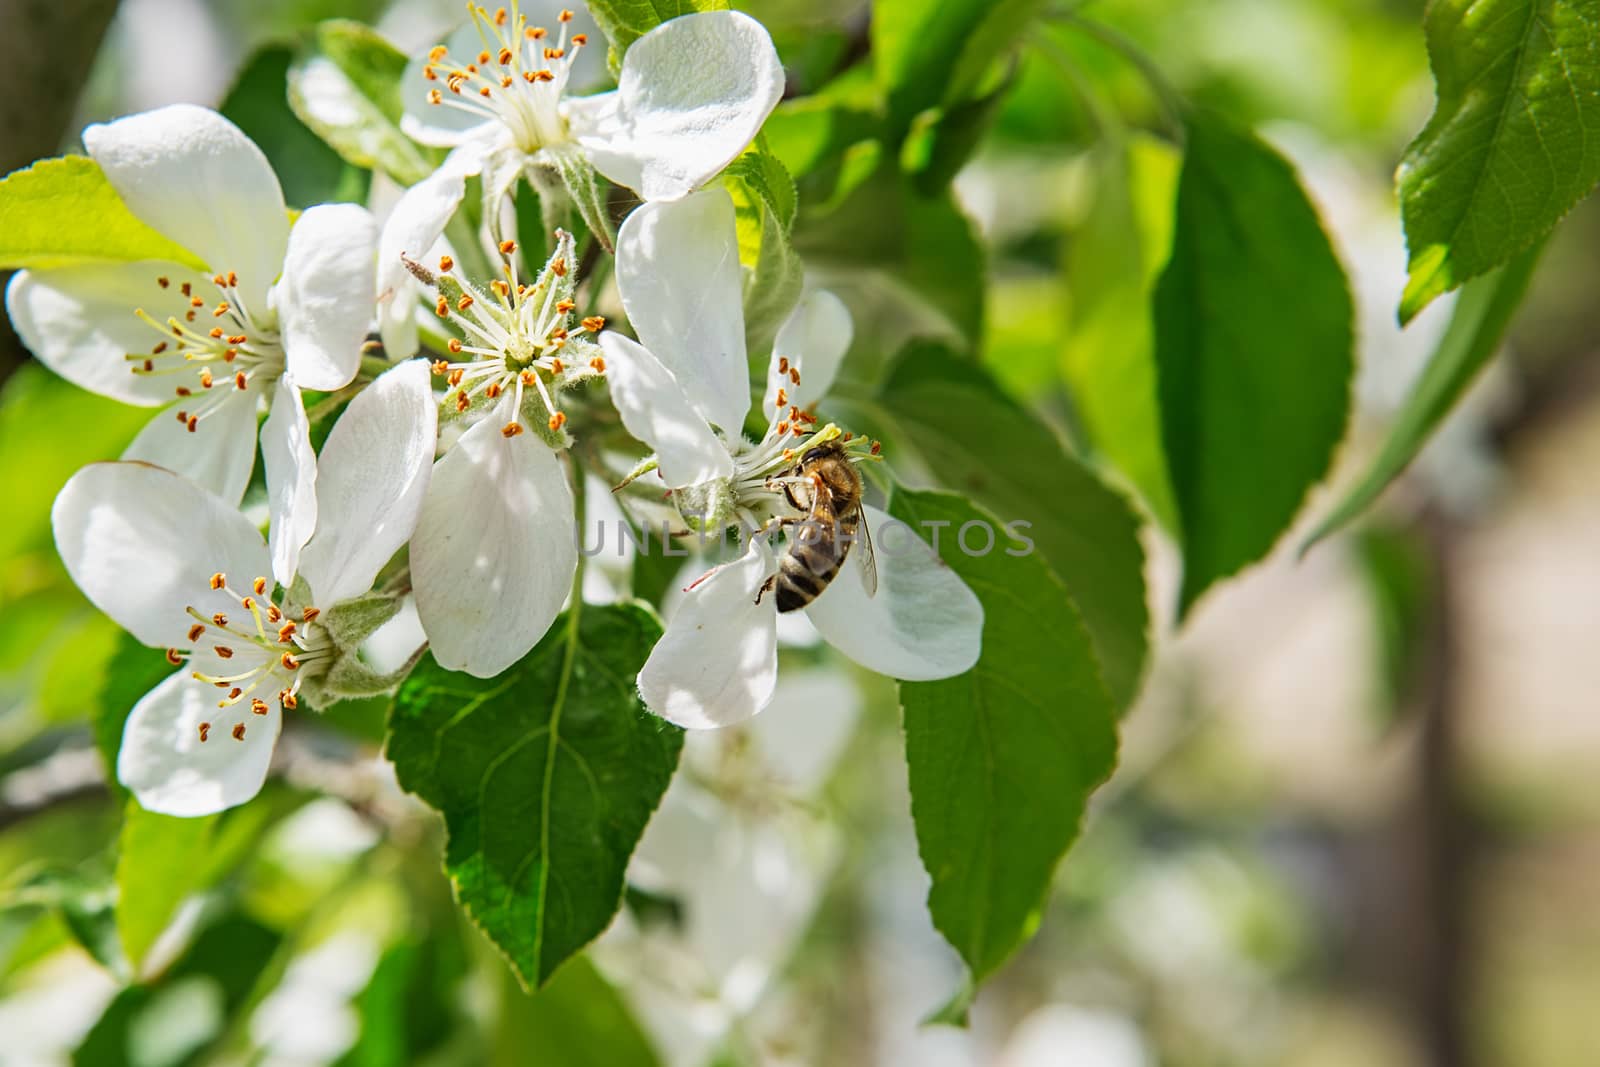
[(1357, 817)]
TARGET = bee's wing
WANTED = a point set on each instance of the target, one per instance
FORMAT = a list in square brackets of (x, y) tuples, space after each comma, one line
[(866, 559)]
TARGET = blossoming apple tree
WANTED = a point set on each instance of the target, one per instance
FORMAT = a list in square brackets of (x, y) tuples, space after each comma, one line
[(627, 263)]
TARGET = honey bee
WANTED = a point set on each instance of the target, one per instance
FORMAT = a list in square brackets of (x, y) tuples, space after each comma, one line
[(827, 489)]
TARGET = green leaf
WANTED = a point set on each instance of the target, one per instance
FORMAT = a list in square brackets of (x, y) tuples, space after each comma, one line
[(345, 85), (61, 212), (1108, 360), (578, 1020), (309, 171), (764, 206), (944, 413), (1002, 759), (1253, 351), (545, 775), (163, 860), (625, 21), (1513, 144), (766, 175), (1478, 323), (937, 54)]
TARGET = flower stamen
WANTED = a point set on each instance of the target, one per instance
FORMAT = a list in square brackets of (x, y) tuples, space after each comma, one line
[(238, 355), (516, 79), (261, 656), (510, 339)]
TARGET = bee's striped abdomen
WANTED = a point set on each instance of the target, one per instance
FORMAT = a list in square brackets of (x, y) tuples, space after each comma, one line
[(811, 563)]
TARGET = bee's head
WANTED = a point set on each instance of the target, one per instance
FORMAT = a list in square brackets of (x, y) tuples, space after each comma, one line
[(828, 450)]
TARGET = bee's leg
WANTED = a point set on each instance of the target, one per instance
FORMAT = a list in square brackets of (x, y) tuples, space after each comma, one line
[(777, 523), (766, 587)]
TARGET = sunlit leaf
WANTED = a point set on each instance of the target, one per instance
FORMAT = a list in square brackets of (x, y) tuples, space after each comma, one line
[(59, 212), (764, 205), (1513, 143)]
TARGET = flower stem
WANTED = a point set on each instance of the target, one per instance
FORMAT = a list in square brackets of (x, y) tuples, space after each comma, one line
[(579, 500)]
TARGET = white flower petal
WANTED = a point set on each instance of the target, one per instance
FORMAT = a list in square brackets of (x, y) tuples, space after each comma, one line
[(924, 622), (812, 341), (171, 771), (373, 476), (717, 663), (291, 479), (195, 177), (656, 412), (80, 322), (410, 231), (495, 550), (219, 455), (693, 93), (679, 276), (143, 543), (327, 296)]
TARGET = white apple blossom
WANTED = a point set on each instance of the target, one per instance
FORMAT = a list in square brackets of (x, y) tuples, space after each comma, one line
[(495, 551), (181, 569), (683, 389), (693, 92), (279, 309)]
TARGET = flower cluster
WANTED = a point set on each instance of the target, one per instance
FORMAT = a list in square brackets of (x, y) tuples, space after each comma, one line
[(443, 489)]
